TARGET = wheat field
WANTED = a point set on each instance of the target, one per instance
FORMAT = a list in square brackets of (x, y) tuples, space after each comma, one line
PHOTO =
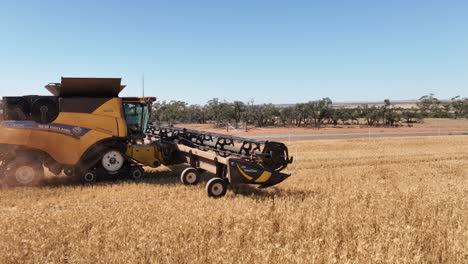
[(385, 200)]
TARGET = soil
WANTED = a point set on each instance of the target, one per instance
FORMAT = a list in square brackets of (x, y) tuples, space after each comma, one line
[(428, 125)]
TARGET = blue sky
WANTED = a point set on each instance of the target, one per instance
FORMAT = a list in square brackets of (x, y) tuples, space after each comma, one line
[(269, 51)]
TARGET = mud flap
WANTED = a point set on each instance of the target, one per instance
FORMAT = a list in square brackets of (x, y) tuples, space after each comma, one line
[(243, 171)]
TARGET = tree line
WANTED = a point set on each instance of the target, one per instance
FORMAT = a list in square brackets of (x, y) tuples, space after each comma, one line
[(317, 113)]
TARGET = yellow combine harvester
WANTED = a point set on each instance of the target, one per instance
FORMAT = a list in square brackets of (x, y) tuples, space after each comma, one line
[(85, 129)]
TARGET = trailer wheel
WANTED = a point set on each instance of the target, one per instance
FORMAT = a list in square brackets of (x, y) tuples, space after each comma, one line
[(89, 176), (137, 173), (216, 188), (24, 172), (190, 176)]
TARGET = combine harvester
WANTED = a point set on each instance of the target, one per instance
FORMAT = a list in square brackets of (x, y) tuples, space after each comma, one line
[(86, 130)]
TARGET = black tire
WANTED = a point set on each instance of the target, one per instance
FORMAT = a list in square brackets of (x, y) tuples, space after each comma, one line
[(89, 177), (190, 176), (24, 171), (136, 173), (216, 188)]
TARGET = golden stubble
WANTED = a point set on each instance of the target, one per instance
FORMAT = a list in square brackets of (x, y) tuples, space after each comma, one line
[(386, 200)]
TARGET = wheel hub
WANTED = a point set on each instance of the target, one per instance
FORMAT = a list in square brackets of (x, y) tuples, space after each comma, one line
[(25, 174), (217, 189), (136, 174), (89, 176), (112, 161), (191, 177)]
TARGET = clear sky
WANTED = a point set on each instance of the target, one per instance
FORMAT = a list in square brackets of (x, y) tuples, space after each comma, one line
[(269, 51)]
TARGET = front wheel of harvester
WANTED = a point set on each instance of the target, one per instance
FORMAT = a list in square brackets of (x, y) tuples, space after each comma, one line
[(23, 171), (216, 188), (137, 173), (89, 177), (190, 176)]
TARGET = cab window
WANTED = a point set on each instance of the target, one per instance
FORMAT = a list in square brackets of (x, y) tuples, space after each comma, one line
[(137, 117)]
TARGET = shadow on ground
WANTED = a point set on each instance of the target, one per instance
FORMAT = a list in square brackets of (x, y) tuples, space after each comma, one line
[(166, 177), (271, 193), (172, 177)]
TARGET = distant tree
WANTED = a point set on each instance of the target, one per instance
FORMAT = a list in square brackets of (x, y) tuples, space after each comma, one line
[(410, 116), (385, 109), (459, 106), (195, 114), (219, 111), (346, 115), (428, 105), (301, 114), (266, 115), (286, 115), (169, 112), (370, 114), (239, 109), (392, 117), (335, 115), (355, 114), (313, 113), (319, 111)]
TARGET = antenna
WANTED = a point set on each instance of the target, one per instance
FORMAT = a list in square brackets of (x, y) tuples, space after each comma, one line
[(143, 85)]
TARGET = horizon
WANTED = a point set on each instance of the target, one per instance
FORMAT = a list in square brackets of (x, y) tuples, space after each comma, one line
[(392, 101), (262, 50)]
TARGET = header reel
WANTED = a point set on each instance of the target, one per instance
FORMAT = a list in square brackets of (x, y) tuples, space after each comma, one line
[(271, 155)]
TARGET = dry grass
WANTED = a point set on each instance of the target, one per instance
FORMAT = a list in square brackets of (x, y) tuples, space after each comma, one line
[(444, 123), (398, 200)]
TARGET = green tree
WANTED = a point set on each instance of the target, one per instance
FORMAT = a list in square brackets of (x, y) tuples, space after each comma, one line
[(410, 116), (371, 114), (459, 106), (428, 105), (238, 112), (286, 115)]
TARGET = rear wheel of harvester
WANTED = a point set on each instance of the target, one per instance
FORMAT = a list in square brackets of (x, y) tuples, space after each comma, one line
[(190, 176), (216, 188), (137, 173), (24, 171)]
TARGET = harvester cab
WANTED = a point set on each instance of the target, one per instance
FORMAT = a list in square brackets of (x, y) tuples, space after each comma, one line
[(137, 112), (86, 130)]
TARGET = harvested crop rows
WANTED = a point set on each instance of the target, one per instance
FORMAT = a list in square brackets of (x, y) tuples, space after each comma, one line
[(361, 200)]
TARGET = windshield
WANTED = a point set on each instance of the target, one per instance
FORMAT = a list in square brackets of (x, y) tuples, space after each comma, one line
[(137, 117)]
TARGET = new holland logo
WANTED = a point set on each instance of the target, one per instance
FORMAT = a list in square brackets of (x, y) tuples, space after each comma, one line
[(77, 131), (74, 131)]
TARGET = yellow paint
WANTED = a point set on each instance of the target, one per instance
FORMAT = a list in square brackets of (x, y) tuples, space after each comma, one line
[(266, 175), (105, 122), (147, 155), (63, 148), (113, 108)]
